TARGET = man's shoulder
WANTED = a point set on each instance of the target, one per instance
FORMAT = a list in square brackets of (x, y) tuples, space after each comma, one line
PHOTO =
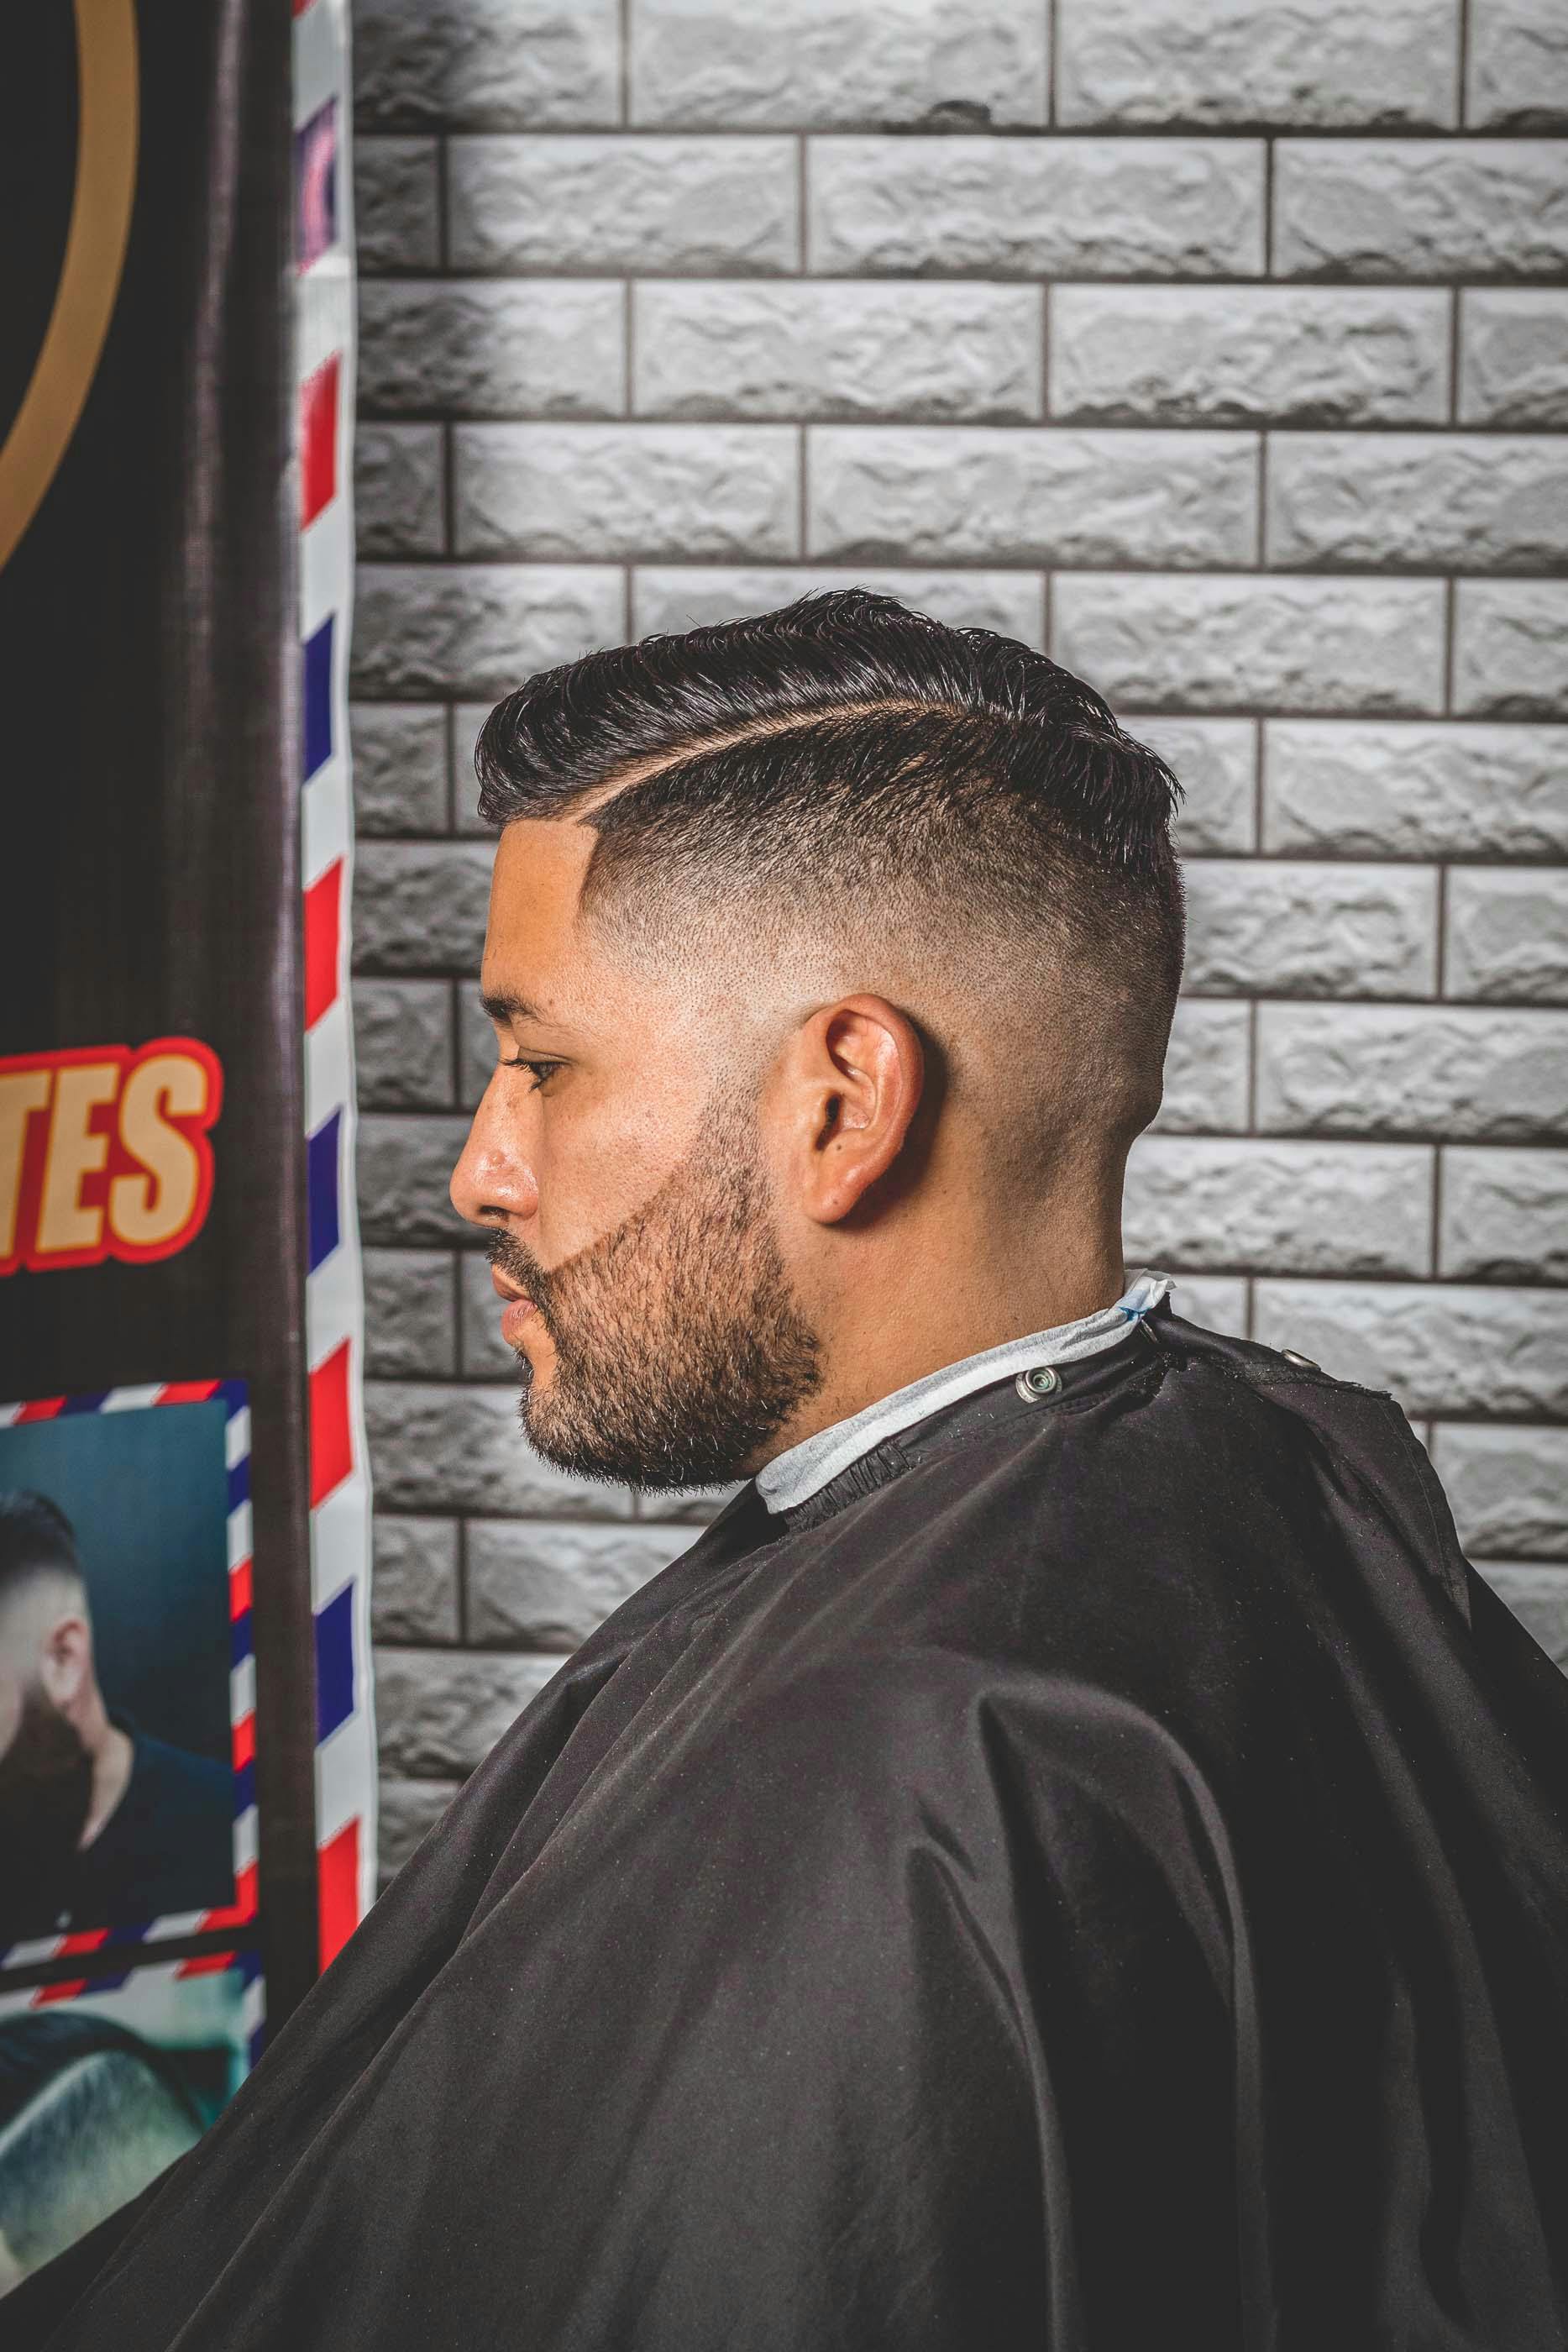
[(178, 1780)]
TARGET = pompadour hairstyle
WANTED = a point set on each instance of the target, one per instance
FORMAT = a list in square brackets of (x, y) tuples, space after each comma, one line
[(34, 1534), (845, 752)]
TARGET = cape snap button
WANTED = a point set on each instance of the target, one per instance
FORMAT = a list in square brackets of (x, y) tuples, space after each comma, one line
[(1035, 1385), (1305, 1361)]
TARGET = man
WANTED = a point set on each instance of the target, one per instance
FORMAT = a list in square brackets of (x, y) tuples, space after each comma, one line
[(1072, 1857), (99, 1824)]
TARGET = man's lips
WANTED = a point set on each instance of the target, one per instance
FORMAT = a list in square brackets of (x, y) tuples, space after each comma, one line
[(519, 1308)]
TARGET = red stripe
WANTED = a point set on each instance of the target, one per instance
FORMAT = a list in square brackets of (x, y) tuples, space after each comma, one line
[(239, 1588), (318, 441), (323, 933), (331, 1444), (41, 1409), (207, 1965), (338, 1890), (87, 1940), (235, 1914), (243, 1742), (49, 1993), (187, 1392)]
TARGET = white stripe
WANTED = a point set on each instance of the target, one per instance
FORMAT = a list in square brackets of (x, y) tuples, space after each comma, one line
[(237, 1437), (242, 1690), (132, 1400), (239, 1534)]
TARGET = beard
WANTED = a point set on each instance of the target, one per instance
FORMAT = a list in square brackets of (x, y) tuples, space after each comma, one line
[(679, 1345), (45, 1793)]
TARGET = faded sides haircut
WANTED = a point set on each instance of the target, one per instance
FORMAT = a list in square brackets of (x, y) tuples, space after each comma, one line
[(36, 1539), (848, 768)]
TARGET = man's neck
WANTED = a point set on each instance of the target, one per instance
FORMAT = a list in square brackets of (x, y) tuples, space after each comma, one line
[(885, 1349), (113, 1754)]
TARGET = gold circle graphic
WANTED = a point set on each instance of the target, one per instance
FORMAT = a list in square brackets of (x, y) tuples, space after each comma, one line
[(90, 274)]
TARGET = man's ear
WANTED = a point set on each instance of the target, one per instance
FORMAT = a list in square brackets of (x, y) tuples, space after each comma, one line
[(854, 1080), (65, 1667)]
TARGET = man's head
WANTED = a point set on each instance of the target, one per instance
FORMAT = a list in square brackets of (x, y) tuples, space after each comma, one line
[(831, 958), (49, 1700)]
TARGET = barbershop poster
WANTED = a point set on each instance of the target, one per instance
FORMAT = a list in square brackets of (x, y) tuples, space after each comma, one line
[(185, 1754)]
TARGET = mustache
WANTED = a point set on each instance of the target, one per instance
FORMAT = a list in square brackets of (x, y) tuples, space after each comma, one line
[(509, 1258)]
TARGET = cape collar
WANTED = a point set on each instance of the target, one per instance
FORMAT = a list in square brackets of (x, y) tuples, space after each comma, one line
[(1002, 1402), (794, 1477)]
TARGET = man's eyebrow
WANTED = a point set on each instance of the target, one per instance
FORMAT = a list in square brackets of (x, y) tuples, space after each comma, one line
[(504, 1006)]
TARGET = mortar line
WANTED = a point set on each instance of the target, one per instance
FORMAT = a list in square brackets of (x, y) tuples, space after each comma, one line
[(802, 265), (1453, 355), (1462, 67), (1267, 208), (624, 78), (1259, 755), (1052, 62), (629, 331), (1449, 600), (1045, 294), (803, 496)]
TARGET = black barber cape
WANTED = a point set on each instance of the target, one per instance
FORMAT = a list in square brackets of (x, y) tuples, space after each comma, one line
[(1091, 1876)]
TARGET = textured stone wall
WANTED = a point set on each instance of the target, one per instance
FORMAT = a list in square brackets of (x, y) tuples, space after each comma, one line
[(1223, 352)]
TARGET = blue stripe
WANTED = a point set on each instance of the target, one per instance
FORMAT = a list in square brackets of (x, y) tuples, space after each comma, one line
[(321, 1157), (317, 699), (245, 1787), (257, 2044), (334, 1663), (235, 1396), (239, 1483), (91, 1403), (240, 1643)]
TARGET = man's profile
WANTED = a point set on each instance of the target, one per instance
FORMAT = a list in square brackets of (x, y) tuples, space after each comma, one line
[(100, 1824), (1072, 1857)]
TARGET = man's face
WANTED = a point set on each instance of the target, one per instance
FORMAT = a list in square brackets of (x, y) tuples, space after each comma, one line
[(624, 1186), (45, 1772)]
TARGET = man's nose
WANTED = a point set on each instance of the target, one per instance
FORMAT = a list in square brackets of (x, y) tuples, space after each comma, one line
[(491, 1182)]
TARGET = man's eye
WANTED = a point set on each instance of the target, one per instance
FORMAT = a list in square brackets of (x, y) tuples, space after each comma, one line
[(542, 1068)]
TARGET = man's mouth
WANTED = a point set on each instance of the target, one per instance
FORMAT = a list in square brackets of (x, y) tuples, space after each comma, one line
[(520, 1308)]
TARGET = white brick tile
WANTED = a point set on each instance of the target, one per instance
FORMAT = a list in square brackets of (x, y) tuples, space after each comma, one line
[(1216, 1302), (440, 1712), (1518, 66), (1491, 503), (398, 767), (404, 1165), (436, 1448), (1458, 1071), (1036, 207), (1170, 643), (544, 1584), (1335, 64), (1507, 935), (414, 1581), (402, 1044), (1414, 789), (810, 63), (1215, 761), (503, 63), (1510, 649), (1206, 1068), (969, 494), (410, 1329), (478, 628), (1323, 929), (1507, 1487), (1249, 354), (396, 207), (675, 598), (1418, 208), (613, 204), (626, 490), (400, 507), (1439, 1347), (1289, 1208), (1504, 1215), (838, 350), (1513, 356), (463, 346), (420, 905)]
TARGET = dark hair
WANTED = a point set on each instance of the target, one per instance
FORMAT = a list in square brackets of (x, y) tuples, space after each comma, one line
[(847, 750), (34, 1534)]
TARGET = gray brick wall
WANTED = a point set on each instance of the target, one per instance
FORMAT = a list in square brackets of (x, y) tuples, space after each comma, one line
[(1223, 352)]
